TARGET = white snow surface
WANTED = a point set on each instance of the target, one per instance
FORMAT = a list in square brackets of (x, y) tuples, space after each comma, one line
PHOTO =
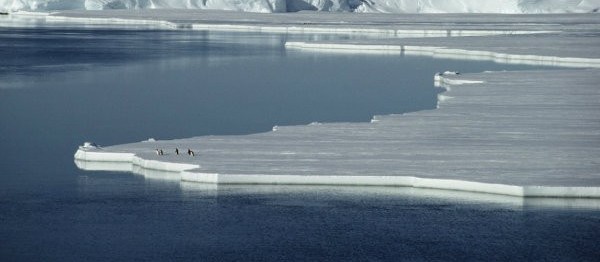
[(270, 6)]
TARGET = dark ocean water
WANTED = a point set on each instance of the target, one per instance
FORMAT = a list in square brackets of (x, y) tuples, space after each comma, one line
[(61, 86)]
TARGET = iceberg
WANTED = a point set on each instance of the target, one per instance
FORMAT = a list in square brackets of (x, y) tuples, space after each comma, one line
[(278, 6)]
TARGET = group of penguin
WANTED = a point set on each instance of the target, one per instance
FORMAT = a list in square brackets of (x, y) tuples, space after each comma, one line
[(189, 152)]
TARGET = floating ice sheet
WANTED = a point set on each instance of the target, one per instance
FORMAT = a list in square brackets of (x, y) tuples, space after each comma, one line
[(534, 133), (530, 133)]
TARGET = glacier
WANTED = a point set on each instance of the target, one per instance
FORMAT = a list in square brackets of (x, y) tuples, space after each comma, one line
[(278, 6)]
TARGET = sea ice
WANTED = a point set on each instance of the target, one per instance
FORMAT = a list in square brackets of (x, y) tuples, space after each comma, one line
[(528, 133), (514, 133)]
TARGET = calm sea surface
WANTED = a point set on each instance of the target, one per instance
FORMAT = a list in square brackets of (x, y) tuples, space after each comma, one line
[(61, 85)]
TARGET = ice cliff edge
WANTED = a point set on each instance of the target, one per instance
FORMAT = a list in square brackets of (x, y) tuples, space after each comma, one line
[(278, 6)]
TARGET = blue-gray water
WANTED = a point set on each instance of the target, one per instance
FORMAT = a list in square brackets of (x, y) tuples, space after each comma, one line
[(62, 86)]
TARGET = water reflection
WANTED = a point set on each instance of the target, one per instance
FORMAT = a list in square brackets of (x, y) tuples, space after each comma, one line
[(312, 195), (370, 193)]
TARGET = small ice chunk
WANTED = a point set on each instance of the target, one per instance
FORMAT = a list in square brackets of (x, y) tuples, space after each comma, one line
[(446, 73), (442, 98), (89, 145)]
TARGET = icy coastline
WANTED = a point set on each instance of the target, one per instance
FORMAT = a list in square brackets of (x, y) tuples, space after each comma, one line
[(541, 142)]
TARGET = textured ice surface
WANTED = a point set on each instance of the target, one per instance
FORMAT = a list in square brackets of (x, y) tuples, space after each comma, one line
[(268, 6)]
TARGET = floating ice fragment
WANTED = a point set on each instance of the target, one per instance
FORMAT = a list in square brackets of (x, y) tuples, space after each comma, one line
[(89, 145), (446, 73), (442, 98)]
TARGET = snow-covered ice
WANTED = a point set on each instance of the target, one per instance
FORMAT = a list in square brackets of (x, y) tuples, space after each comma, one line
[(528, 133), (513, 133), (269, 6), (498, 55)]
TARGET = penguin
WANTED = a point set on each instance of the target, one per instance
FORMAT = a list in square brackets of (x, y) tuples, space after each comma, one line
[(177, 151)]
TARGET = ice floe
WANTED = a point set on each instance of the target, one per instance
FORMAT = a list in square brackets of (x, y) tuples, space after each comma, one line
[(541, 142), (530, 133)]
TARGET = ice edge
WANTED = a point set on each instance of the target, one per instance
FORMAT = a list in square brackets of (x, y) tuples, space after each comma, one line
[(188, 173), (130, 158), (450, 53)]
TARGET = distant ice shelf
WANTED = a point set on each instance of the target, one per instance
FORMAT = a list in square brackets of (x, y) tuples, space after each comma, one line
[(293, 28), (542, 143), (278, 6), (385, 25)]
